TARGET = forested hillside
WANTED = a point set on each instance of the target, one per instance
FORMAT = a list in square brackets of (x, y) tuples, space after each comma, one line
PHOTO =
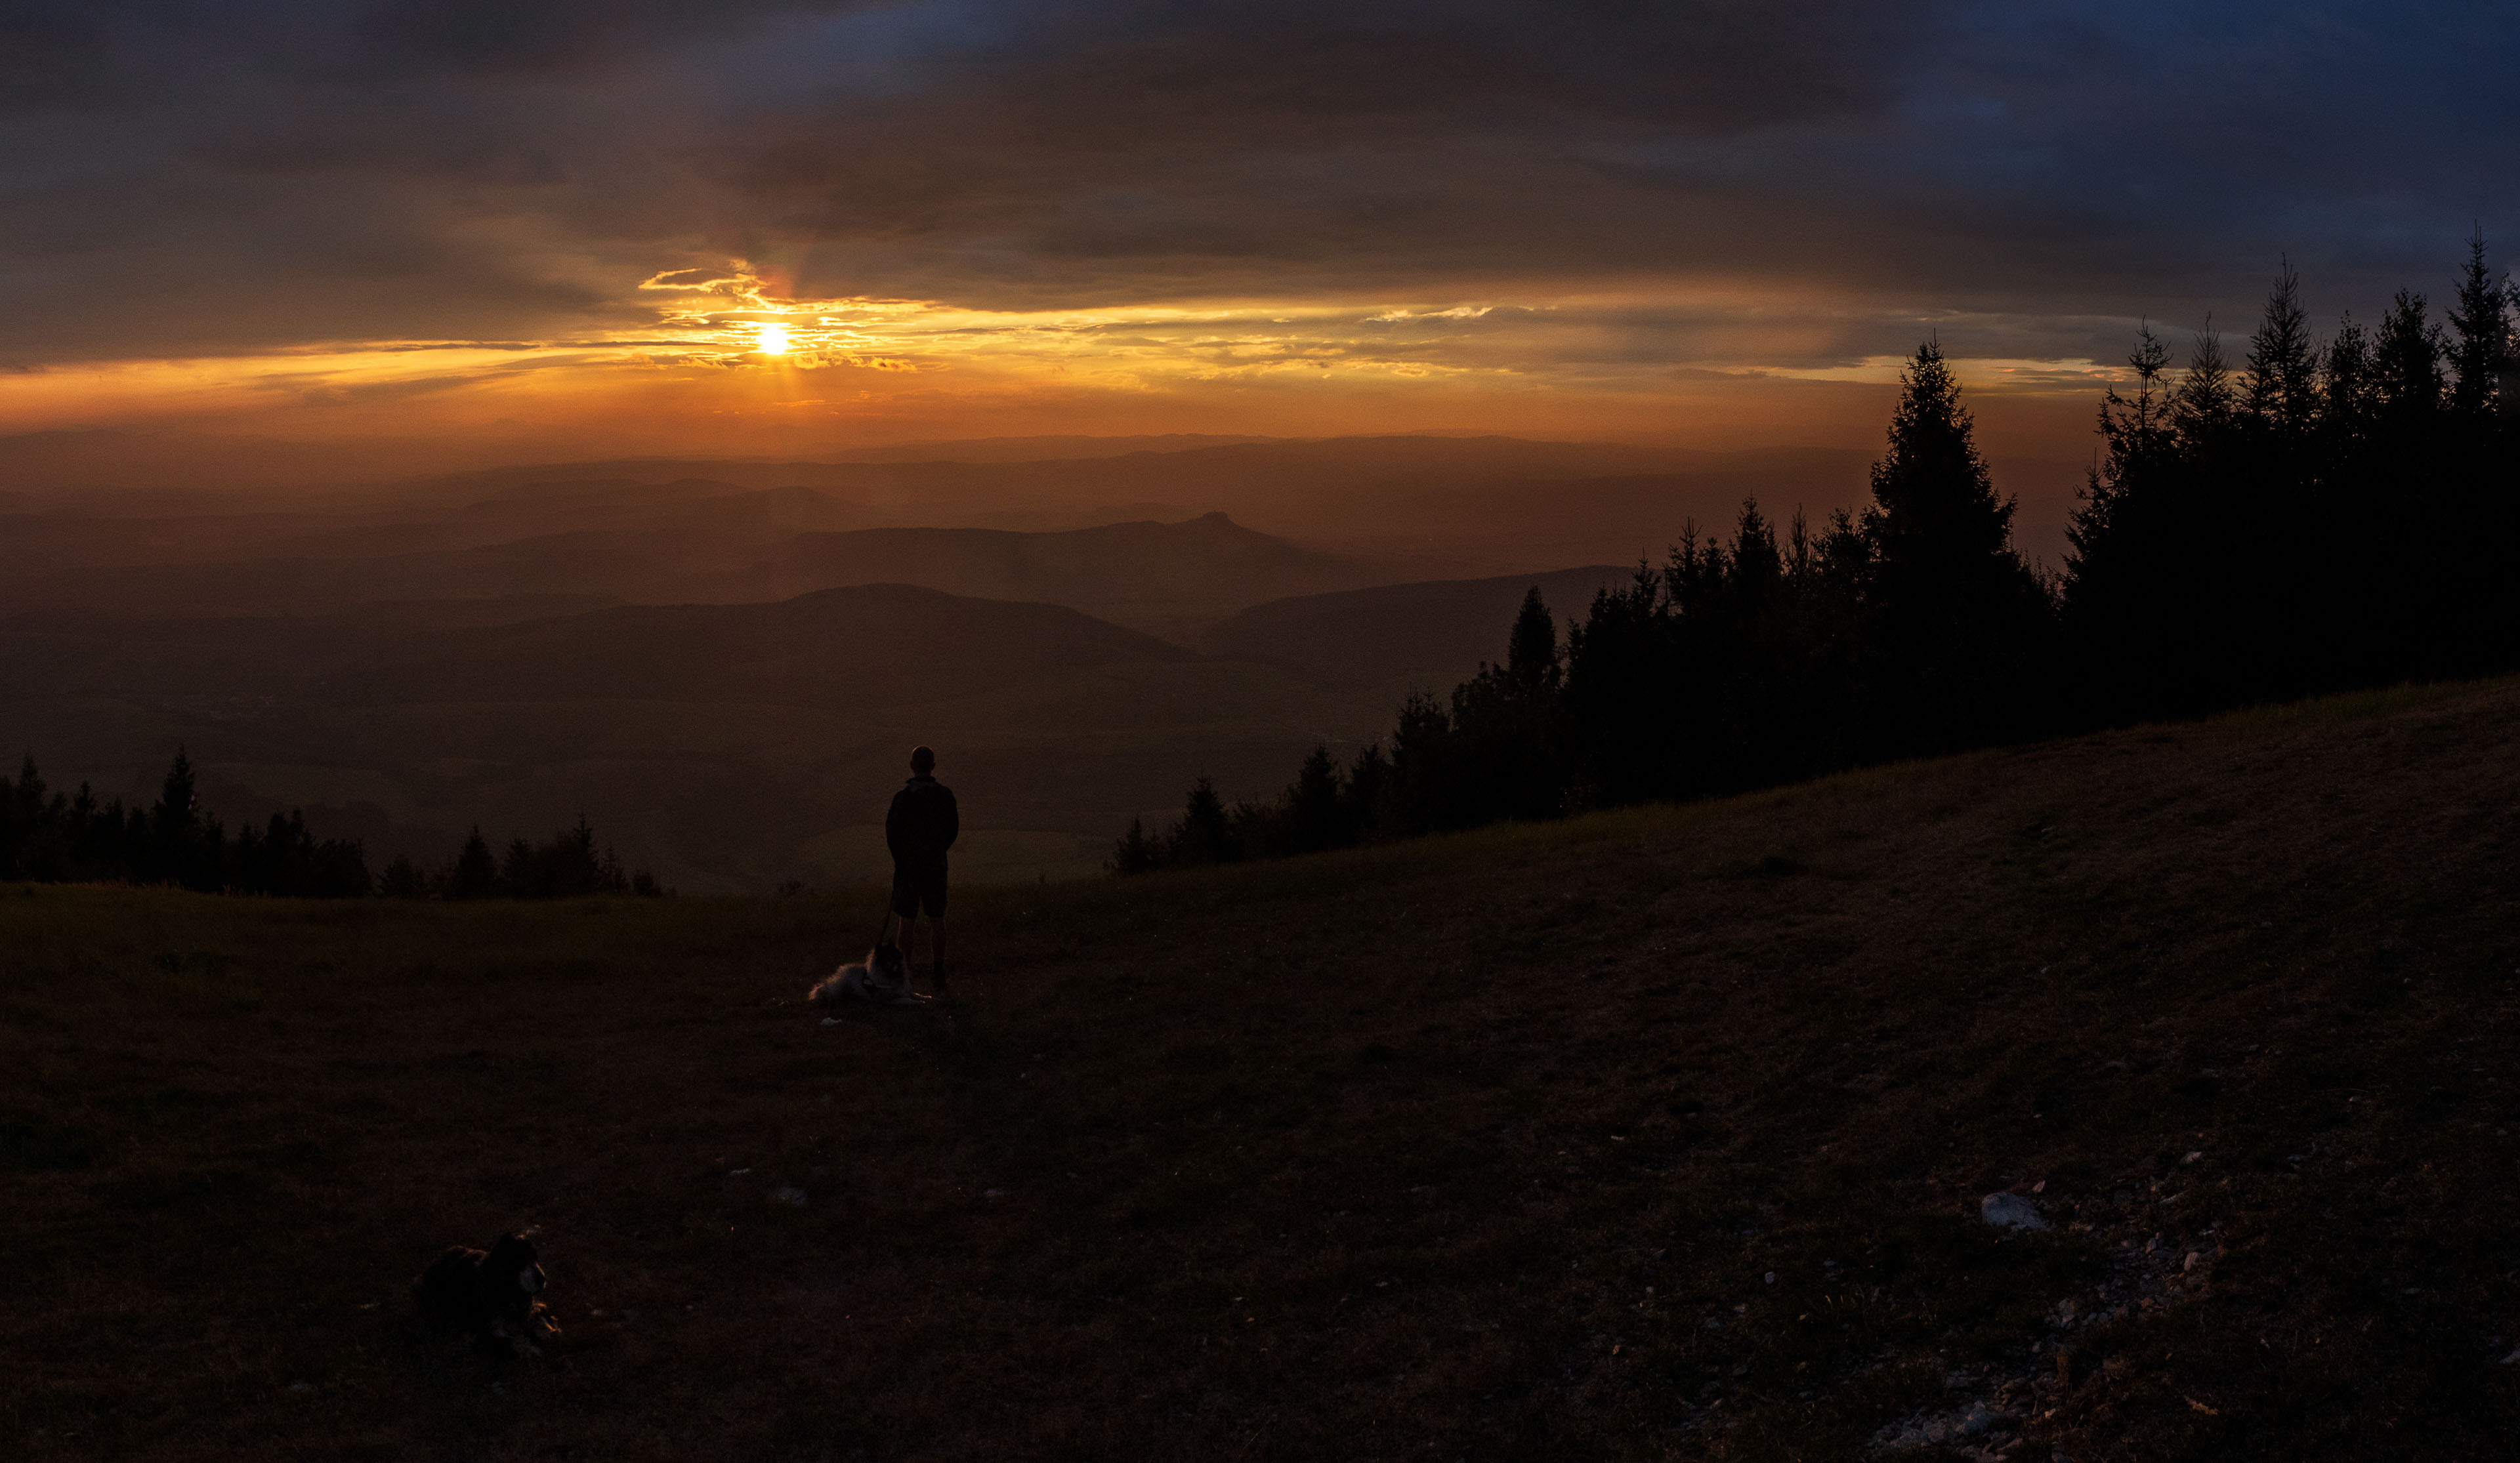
[(2325, 515)]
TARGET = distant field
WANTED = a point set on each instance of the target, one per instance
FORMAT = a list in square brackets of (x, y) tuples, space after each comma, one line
[(1649, 1135)]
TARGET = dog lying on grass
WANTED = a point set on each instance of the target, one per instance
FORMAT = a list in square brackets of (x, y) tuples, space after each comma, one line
[(883, 977), (489, 1295)]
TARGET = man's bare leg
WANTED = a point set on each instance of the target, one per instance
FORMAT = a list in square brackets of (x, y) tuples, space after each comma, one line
[(936, 948)]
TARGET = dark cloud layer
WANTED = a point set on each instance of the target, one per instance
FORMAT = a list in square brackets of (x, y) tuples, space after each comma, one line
[(200, 178)]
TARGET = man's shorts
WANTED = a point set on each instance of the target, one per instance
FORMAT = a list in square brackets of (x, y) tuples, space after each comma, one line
[(915, 887)]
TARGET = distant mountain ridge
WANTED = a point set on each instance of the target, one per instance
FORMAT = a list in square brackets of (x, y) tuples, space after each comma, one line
[(1134, 573), (733, 547), (1442, 630), (861, 645), (1472, 506)]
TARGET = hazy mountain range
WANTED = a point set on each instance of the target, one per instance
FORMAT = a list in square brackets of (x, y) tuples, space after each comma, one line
[(721, 664)]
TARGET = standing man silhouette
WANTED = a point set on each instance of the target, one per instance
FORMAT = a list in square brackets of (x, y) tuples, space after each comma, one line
[(918, 828)]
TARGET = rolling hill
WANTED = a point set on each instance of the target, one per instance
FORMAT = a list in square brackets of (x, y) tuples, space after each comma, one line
[(725, 747), (1152, 575), (873, 644), (1660, 1133), (703, 545)]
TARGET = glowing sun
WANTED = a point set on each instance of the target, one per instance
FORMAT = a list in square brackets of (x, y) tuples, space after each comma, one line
[(774, 340)]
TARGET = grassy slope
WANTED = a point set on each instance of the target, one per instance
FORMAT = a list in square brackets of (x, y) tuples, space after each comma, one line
[(1479, 1147)]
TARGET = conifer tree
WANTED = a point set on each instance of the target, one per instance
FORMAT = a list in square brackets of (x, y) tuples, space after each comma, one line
[(1504, 746), (1531, 647), (2115, 537), (1316, 811), (516, 872), (402, 879), (2349, 386), (1934, 506), (2406, 359), (2479, 341), (1367, 795), (1758, 564), (2282, 382), (1206, 834), (1956, 610), (1137, 853), (1422, 766), (476, 875), (184, 847), (2203, 404)]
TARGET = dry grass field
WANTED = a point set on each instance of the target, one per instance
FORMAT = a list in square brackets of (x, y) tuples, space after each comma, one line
[(1644, 1135)]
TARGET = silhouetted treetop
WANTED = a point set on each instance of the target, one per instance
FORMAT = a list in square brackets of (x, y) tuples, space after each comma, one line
[(1934, 506)]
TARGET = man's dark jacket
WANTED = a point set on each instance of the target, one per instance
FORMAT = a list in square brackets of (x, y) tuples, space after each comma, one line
[(921, 823)]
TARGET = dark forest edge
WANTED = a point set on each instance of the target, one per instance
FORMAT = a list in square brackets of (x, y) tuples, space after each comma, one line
[(49, 837), (2327, 517)]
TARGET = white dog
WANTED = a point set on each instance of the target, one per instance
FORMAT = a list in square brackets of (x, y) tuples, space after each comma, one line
[(882, 978)]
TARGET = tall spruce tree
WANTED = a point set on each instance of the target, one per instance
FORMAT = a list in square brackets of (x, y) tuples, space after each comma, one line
[(1956, 611), (1506, 745), (2348, 384), (184, 847), (2406, 359), (2205, 400), (476, 875), (1316, 809), (1627, 703), (1531, 647), (1206, 831), (2476, 475), (2282, 380), (2123, 565), (2480, 339)]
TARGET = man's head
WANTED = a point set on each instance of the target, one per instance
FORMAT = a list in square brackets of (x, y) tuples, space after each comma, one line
[(922, 762)]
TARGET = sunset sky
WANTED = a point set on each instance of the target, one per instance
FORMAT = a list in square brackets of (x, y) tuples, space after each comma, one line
[(361, 237)]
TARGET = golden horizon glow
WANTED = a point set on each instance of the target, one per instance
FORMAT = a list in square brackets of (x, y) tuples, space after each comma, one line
[(727, 358)]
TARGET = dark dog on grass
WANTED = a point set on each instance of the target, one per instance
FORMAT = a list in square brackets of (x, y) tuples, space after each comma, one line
[(489, 1296)]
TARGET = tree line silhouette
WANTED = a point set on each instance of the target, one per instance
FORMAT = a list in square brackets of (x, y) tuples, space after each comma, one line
[(566, 865), (2324, 515), (49, 837)]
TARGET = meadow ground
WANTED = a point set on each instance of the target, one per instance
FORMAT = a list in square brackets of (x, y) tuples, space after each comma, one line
[(1658, 1134)]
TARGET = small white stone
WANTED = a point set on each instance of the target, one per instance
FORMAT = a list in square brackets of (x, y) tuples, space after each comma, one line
[(2011, 1212)]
